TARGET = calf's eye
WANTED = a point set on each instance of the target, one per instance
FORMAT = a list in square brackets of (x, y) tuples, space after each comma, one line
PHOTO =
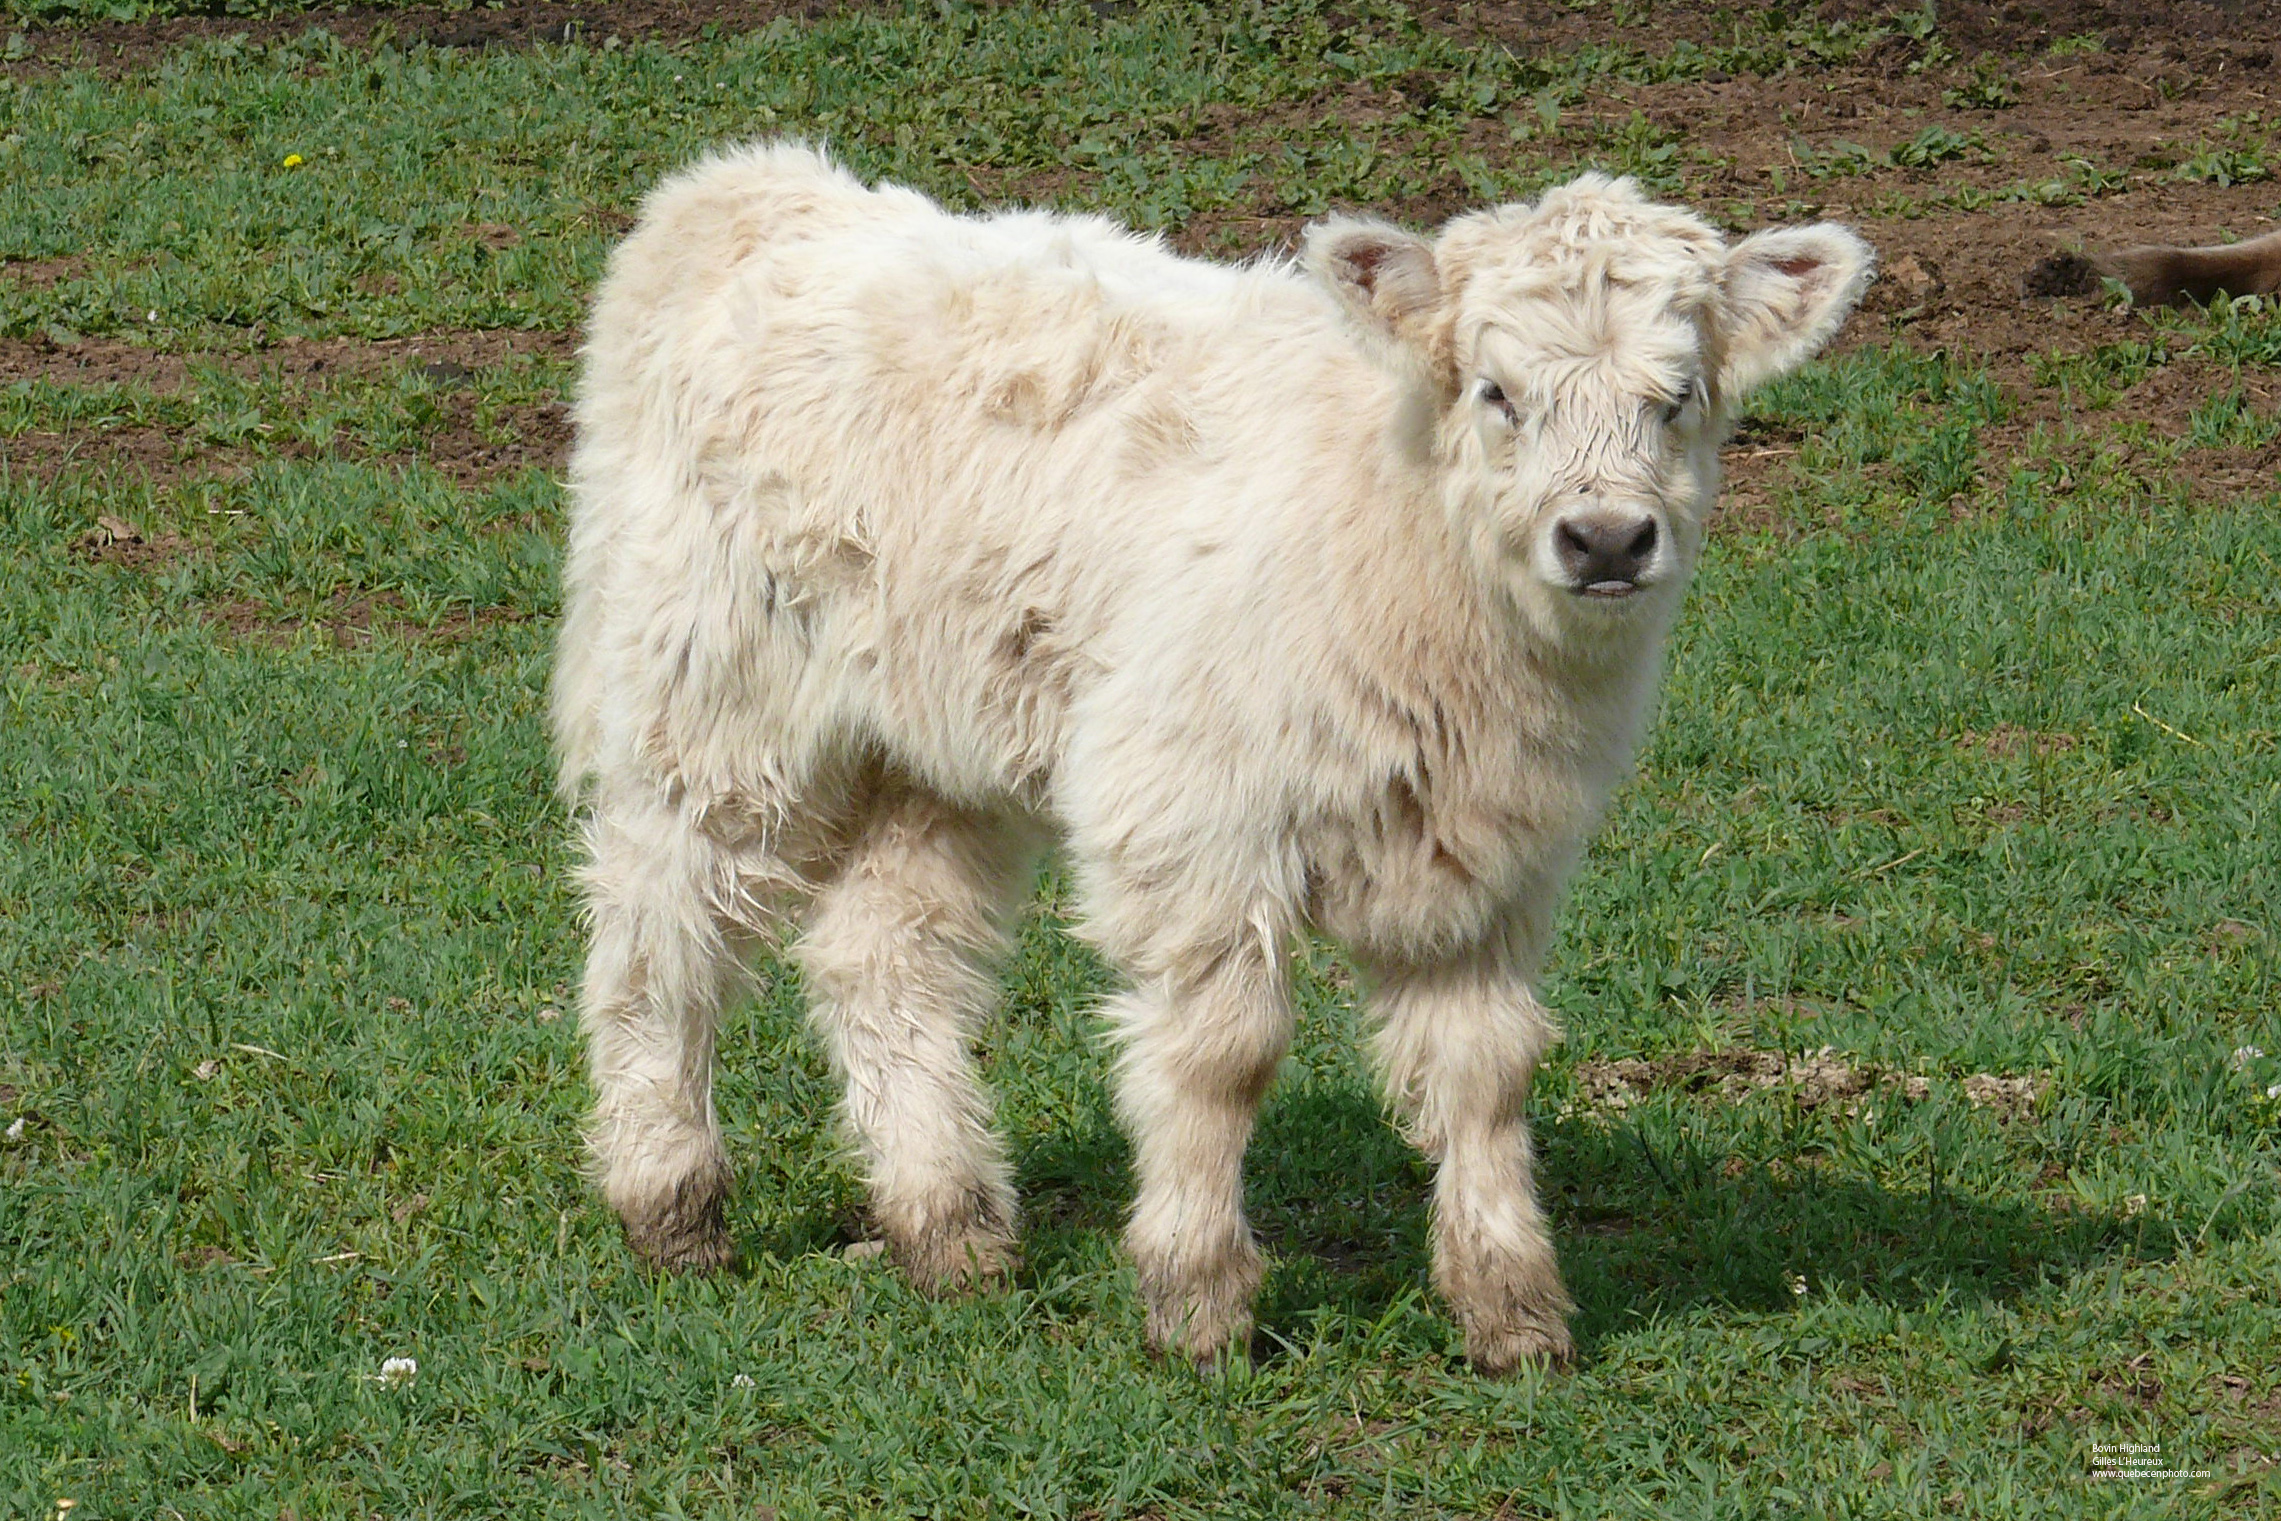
[(1678, 403), (1494, 395)]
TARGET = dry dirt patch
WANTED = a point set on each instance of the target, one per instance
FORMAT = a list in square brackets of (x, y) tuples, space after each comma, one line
[(514, 438), (1808, 1079), (115, 541), (452, 353), (149, 453), (533, 437), (39, 274), (2011, 739), (121, 47), (352, 619), (1971, 26)]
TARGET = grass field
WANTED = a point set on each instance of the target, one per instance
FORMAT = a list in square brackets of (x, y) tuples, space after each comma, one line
[(1967, 772)]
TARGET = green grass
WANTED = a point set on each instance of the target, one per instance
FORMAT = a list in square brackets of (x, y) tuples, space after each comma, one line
[(1967, 764)]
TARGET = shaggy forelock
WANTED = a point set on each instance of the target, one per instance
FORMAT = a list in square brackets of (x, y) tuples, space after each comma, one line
[(1596, 252)]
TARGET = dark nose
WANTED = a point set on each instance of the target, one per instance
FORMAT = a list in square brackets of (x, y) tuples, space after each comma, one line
[(1603, 553)]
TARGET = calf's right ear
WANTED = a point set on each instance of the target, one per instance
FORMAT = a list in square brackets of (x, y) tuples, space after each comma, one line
[(1384, 277)]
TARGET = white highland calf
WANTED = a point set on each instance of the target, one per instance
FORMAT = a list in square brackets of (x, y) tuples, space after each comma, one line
[(1325, 596)]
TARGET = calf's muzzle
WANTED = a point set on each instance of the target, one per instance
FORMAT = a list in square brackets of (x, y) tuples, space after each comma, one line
[(1604, 554)]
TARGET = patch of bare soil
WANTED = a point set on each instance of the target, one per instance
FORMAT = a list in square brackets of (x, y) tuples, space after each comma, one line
[(1971, 26), (2260, 1399), (352, 619), (2047, 423), (445, 355), (511, 439), (536, 438), (115, 541), (39, 274), (1758, 453), (119, 47), (2135, 1383), (1808, 1079), (146, 453), (2010, 25), (2008, 283), (2008, 740), (2010, 1098)]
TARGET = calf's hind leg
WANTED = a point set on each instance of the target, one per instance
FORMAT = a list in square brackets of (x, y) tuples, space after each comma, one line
[(897, 954), (658, 967)]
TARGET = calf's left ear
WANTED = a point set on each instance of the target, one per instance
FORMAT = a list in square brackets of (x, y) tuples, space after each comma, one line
[(1784, 294), (1385, 278)]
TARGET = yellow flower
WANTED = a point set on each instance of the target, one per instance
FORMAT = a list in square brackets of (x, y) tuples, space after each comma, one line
[(292, 160)]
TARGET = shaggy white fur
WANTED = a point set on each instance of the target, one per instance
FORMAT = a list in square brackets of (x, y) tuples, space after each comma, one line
[(1325, 596)]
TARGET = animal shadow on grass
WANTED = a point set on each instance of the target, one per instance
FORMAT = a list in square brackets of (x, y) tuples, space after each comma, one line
[(1646, 1226)]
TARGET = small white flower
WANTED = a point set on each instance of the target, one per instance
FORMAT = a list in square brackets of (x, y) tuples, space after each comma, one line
[(2135, 1205), (1797, 1283), (16, 1131), (741, 1381), (150, 316), (2244, 1055), (2273, 1092), (397, 1371)]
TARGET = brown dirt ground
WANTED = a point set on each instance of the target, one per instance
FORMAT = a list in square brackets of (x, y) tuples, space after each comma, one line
[(1973, 26), (118, 47), (117, 542), (1994, 283), (1808, 1079), (109, 361), (352, 619), (534, 436)]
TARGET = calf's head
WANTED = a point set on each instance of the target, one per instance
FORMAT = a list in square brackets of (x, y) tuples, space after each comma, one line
[(1582, 357)]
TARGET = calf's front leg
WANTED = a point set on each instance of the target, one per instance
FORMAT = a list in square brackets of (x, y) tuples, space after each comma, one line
[(1458, 1045), (1198, 1055)]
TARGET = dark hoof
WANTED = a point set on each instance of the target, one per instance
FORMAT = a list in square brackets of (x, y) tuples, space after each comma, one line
[(946, 1267), (1544, 1345), (687, 1231)]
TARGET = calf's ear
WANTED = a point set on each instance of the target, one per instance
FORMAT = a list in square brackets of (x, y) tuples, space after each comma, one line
[(1383, 276), (1784, 294)]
